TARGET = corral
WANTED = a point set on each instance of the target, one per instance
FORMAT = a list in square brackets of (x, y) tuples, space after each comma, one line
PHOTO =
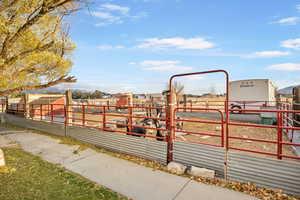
[(207, 136)]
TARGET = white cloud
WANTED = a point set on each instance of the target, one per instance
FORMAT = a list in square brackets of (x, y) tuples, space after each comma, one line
[(112, 7), (114, 14), (107, 18), (267, 54), (285, 67), (163, 65), (120, 47), (287, 21), (292, 43), (109, 47), (298, 7), (176, 42), (102, 15), (159, 62)]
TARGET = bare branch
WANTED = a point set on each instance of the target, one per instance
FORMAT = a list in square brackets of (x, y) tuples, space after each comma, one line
[(62, 79)]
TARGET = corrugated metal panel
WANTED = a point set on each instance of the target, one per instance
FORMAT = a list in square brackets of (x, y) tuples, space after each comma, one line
[(200, 155), (54, 128), (138, 146), (266, 172)]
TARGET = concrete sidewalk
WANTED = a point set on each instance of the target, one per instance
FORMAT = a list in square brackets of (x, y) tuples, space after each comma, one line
[(132, 180)]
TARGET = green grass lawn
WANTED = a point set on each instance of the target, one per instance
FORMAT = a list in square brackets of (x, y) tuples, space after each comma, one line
[(28, 177)]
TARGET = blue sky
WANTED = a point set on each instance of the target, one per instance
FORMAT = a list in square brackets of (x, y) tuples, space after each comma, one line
[(136, 45)]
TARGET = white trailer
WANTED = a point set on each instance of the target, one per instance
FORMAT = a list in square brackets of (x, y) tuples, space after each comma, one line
[(252, 94)]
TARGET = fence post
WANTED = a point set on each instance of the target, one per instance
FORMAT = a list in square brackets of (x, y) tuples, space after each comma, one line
[(170, 128), (287, 120), (41, 112), (66, 120), (6, 104), (279, 135), (107, 103), (83, 115), (26, 106), (69, 109), (104, 118), (65, 116), (48, 111), (51, 112), (32, 112), (130, 119)]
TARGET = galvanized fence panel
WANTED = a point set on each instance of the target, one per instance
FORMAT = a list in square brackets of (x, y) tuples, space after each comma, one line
[(138, 146), (265, 172), (53, 128), (199, 155)]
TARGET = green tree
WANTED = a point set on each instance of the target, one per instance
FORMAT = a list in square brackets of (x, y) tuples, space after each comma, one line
[(34, 44)]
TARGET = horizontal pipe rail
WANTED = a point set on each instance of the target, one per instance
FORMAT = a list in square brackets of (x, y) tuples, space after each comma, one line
[(96, 116)]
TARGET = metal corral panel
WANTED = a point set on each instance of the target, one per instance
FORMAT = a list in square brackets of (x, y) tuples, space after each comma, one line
[(53, 128), (200, 155), (138, 146), (266, 172)]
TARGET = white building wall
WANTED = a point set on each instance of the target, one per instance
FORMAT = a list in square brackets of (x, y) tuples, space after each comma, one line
[(252, 90)]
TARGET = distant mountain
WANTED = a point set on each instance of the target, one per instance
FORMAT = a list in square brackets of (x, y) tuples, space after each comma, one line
[(46, 90), (287, 90), (77, 93)]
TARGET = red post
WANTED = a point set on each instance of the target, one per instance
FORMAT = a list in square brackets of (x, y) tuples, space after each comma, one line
[(51, 112), (130, 119), (222, 130), (287, 120), (104, 118), (83, 115), (41, 112), (279, 135), (169, 128)]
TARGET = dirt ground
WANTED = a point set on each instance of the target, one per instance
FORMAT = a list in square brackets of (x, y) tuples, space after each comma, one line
[(240, 131)]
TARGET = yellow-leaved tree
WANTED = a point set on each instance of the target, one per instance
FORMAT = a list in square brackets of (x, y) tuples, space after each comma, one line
[(34, 44)]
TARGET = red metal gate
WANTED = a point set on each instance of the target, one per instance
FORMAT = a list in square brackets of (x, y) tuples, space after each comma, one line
[(172, 117)]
